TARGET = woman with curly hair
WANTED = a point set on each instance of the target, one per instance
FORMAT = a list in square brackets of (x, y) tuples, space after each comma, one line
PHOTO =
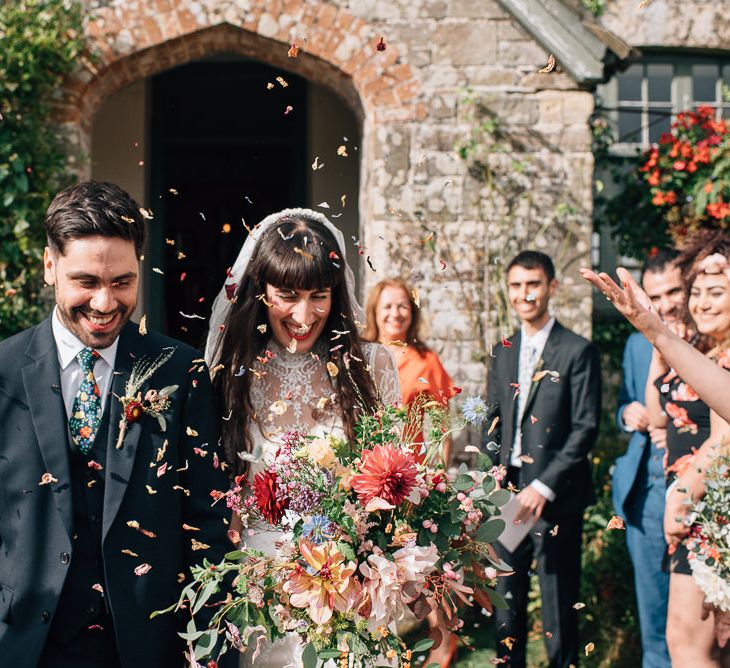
[(691, 426)]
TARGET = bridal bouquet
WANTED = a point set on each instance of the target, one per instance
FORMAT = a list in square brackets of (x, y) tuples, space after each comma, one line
[(709, 541), (372, 531)]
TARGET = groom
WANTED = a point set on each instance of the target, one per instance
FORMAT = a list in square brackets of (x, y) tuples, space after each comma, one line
[(97, 532)]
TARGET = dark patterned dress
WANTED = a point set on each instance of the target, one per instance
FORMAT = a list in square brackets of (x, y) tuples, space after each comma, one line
[(688, 427)]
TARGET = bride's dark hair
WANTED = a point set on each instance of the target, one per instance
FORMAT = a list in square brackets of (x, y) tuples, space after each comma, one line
[(296, 253)]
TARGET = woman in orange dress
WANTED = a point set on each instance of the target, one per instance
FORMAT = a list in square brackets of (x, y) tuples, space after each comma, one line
[(393, 318)]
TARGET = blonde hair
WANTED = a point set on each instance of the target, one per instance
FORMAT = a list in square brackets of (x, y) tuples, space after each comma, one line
[(371, 332)]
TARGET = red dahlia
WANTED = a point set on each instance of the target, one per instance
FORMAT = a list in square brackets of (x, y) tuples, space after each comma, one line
[(271, 507), (387, 473)]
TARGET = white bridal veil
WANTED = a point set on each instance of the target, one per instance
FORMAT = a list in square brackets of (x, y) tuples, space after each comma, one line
[(222, 305)]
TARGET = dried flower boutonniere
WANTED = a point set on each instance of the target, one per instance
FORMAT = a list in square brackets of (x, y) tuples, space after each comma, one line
[(155, 402)]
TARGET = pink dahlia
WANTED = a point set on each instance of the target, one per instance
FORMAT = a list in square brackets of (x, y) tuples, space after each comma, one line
[(271, 507), (385, 473)]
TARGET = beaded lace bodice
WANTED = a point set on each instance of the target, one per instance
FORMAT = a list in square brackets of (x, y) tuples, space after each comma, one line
[(295, 391)]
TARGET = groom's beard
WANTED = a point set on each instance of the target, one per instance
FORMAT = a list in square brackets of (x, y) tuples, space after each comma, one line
[(76, 321)]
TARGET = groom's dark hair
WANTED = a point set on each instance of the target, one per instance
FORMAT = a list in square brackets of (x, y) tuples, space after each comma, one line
[(531, 259), (94, 208)]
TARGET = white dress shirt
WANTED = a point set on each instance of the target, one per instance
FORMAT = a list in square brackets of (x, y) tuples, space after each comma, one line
[(536, 344), (68, 346)]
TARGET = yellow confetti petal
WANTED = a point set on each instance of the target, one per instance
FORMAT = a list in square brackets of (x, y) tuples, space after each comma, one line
[(143, 325), (332, 369)]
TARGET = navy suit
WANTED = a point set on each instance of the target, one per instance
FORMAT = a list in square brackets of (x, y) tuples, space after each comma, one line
[(157, 479), (638, 496)]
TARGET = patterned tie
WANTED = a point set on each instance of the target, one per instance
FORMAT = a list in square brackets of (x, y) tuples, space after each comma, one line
[(528, 359), (86, 411)]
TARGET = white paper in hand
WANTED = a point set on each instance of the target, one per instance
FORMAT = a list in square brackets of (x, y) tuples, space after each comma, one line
[(513, 534)]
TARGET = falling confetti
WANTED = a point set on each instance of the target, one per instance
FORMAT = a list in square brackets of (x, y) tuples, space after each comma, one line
[(416, 297), (269, 86), (293, 50), (550, 65), (142, 569), (332, 369), (143, 325), (381, 45), (615, 522), (157, 270), (288, 109), (317, 164), (342, 151), (47, 479), (589, 648), (197, 545), (282, 82)]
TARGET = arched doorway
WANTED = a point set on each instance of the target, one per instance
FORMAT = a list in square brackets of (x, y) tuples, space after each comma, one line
[(211, 147)]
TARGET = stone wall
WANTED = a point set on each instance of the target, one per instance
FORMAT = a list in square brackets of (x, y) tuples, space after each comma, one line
[(448, 223), (703, 24)]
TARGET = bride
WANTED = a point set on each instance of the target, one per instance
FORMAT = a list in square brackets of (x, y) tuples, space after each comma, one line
[(284, 334)]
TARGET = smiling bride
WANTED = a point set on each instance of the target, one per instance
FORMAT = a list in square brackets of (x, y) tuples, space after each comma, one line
[(285, 337)]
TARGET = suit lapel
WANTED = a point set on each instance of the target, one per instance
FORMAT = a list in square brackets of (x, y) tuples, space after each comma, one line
[(513, 358), (544, 363), (120, 462), (42, 383)]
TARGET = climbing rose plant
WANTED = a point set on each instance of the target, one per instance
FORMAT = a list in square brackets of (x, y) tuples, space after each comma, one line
[(688, 173), (41, 42)]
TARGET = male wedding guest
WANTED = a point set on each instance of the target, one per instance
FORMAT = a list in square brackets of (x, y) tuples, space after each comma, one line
[(638, 479), (100, 523), (545, 387)]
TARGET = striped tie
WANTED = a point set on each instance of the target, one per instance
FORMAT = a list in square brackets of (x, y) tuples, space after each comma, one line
[(86, 411)]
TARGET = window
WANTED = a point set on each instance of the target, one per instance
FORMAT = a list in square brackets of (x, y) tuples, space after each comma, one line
[(640, 102)]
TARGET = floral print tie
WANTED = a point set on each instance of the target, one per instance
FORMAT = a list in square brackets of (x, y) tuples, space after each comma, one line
[(86, 411)]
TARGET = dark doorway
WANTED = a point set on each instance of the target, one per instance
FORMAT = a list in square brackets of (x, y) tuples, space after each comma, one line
[(227, 146)]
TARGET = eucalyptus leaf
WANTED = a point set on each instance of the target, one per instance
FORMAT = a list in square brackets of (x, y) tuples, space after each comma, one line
[(204, 595), (423, 644), (497, 599), (329, 654), (490, 530), (500, 497), (309, 656)]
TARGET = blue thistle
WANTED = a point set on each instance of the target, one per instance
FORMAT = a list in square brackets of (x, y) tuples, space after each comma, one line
[(474, 410), (318, 529)]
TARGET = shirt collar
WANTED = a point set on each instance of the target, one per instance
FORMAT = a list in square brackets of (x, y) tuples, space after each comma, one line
[(69, 345), (540, 337)]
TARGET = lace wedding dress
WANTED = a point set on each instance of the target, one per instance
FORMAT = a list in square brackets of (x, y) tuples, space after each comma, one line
[(294, 391)]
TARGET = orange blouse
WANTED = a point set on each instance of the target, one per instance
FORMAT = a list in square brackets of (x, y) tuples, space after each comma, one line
[(421, 373)]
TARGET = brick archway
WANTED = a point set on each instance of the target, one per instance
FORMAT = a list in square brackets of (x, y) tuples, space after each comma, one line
[(336, 49)]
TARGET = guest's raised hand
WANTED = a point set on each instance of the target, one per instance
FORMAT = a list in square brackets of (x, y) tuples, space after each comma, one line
[(631, 301)]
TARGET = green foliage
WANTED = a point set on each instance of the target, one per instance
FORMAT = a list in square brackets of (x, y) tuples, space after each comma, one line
[(678, 186), (40, 42), (595, 7), (636, 225)]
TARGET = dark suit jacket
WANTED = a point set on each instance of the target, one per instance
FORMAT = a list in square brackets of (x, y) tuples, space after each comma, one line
[(567, 416), (36, 520)]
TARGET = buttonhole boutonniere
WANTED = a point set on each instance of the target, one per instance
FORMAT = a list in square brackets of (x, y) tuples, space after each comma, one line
[(155, 402)]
